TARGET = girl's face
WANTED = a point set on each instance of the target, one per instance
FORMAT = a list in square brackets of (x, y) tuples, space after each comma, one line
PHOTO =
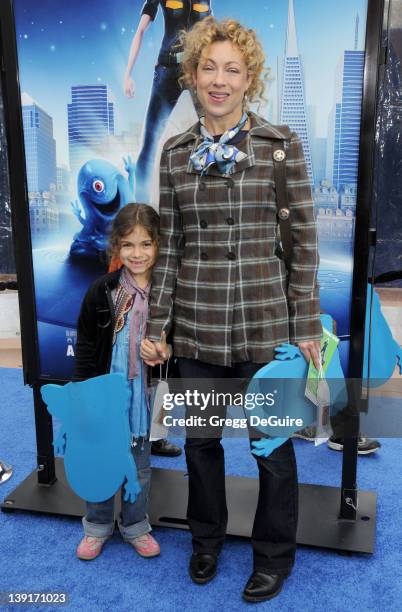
[(221, 80), (138, 252)]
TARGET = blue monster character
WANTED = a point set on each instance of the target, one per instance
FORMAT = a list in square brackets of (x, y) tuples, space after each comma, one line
[(285, 379), (102, 192), (381, 354), (94, 436), (381, 351)]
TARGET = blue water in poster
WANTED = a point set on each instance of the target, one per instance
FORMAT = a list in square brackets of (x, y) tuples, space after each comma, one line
[(88, 108)]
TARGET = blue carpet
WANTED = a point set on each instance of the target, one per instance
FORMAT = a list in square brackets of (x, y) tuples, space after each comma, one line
[(37, 553)]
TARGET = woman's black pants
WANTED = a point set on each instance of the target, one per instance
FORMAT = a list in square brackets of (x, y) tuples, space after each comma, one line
[(274, 530)]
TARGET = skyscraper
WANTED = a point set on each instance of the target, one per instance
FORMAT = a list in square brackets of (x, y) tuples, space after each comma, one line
[(319, 156), (344, 119), (344, 132), (90, 121), (318, 146), (63, 179), (40, 146), (292, 101)]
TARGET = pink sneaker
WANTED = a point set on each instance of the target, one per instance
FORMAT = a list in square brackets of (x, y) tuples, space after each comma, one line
[(90, 547), (145, 545)]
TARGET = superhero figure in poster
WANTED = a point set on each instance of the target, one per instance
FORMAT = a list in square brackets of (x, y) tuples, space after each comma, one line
[(178, 15)]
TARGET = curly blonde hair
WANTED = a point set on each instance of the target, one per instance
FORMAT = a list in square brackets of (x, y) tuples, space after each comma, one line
[(210, 30)]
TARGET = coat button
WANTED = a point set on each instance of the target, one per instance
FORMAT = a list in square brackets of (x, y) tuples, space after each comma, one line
[(279, 155), (202, 186), (230, 221), (283, 214), (203, 224), (231, 255), (230, 183), (204, 256)]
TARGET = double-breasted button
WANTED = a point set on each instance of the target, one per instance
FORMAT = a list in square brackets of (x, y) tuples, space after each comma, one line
[(202, 186), (203, 224), (283, 214), (231, 256), (230, 221), (204, 256), (230, 183), (279, 155)]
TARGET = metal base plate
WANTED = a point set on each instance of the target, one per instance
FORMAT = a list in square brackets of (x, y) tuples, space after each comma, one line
[(56, 498), (319, 524)]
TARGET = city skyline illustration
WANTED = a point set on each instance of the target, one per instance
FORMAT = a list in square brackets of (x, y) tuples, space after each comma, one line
[(331, 158), (100, 36)]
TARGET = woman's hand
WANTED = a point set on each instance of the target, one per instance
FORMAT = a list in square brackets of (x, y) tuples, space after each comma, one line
[(311, 350), (154, 353)]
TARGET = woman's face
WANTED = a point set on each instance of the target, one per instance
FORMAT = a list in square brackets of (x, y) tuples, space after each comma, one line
[(221, 81)]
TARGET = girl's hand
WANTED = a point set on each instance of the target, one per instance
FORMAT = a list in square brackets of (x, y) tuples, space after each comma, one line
[(154, 353), (311, 350), (149, 353)]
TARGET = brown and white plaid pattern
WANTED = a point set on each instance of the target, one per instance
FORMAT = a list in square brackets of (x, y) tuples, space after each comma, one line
[(217, 278)]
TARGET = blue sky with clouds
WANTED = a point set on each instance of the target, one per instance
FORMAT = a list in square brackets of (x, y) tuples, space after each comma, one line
[(84, 42)]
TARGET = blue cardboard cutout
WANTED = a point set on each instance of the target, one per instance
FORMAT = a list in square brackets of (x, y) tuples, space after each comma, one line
[(381, 352), (95, 436), (285, 379)]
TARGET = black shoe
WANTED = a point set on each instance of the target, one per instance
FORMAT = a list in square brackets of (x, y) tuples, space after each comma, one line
[(203, 567), (365, 446), (261, 586), (165, 449)]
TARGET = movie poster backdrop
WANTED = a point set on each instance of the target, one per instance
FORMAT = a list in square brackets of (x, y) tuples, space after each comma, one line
[(100, 94)]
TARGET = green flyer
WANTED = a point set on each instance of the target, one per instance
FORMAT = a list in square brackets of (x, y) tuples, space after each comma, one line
[(328, 345)]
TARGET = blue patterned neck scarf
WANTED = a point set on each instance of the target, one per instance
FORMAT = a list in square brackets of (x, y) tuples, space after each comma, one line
[(220, 153)]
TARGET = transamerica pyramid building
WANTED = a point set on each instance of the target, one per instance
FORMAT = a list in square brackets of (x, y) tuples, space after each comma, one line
[(292, 101)]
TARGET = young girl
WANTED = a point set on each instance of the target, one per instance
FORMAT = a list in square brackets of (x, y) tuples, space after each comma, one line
[(111, 326)]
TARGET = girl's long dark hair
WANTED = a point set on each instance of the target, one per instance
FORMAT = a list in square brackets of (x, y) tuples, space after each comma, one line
[(125, 221)]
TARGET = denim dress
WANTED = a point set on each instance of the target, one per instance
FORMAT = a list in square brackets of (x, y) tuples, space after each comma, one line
[(138, 410)]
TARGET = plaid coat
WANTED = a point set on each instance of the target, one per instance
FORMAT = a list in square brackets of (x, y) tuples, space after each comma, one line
[(217, 278)]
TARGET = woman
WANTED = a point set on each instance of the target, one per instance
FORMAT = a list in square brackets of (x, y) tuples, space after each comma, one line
[(220, 284)]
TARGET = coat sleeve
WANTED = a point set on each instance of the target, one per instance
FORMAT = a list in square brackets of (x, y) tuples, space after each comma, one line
[(85, 350), (171, 245), (303, 298)]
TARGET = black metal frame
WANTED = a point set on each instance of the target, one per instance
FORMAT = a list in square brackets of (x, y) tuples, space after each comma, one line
[(47, 473), (363, 241), (22, 239), (19, 193)]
